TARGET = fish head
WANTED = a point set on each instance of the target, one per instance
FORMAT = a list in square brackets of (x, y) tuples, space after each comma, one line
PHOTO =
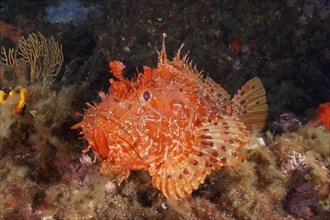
[(146, 111)]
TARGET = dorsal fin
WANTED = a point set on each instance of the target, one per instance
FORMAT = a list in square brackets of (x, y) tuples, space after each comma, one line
[(183, 64), (217, 92), (162, 56), (250, 105)]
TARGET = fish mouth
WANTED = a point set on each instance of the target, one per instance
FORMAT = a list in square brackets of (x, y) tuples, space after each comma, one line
[(110, 135)]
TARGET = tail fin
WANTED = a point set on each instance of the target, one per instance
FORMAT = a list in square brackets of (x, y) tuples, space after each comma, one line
[(250, 105)]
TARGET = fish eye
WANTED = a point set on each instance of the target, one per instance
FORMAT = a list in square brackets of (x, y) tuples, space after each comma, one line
[(146, 95)]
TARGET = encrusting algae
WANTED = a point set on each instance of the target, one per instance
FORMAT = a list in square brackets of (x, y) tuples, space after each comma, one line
[(172, 122), (16, 103)]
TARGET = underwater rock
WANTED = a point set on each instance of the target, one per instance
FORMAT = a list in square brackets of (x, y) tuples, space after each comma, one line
[(295, 161), (303, 201), (286, 122)]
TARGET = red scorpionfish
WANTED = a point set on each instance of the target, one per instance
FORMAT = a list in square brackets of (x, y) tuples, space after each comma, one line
[(172, 122)]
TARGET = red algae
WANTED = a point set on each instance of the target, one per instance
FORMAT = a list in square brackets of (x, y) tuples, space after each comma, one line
[(323, 114), (10, 31), (235, 46)]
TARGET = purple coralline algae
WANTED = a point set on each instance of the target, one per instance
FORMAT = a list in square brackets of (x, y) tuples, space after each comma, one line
[(286, 122), (295, 161), (303, 201)]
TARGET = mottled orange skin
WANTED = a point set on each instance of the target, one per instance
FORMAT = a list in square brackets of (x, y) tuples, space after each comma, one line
[(171, 122), (141, 133)]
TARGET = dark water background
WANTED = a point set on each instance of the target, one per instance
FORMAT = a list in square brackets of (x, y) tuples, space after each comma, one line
[(285, 43)]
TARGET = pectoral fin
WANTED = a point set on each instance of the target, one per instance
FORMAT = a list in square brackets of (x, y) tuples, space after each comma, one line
[(220, 141), (115, 172), (216, 144), (177, 177)]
